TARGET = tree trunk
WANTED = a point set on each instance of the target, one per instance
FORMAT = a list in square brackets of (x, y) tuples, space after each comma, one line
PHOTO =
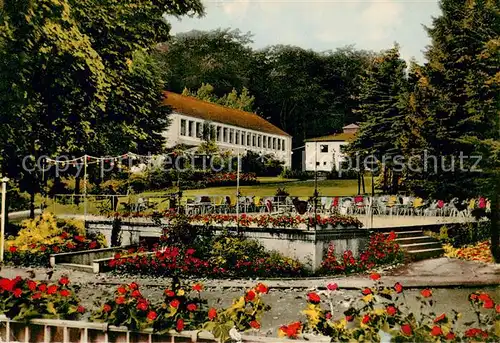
[(495, 221), (384, 185), (32, 199)]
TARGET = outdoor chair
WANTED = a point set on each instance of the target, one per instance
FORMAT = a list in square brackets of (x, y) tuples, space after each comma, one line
[(406, 207), (346, 206), (326, 204), (257, 202), (335, 205), (471, 207), (393, 205), (359, 205), (418, 206), (380, 206), (432, 209), (218, 204)]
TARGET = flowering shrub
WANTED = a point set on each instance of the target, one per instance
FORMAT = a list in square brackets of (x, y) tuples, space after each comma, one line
[(127, 307), (478, 252), (384, 316), (43, 236), (229, 256), (24, 299), (260, 220), (243, 315), (381, 250), (182, 309), (229, 179)]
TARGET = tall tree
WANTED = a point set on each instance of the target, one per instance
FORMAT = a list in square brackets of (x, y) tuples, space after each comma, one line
[(460, 83), (219, 57), (381, 108), (52, 85)]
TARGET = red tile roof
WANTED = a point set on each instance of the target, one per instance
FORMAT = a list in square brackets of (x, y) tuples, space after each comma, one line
[(213, 112), (337, 137)]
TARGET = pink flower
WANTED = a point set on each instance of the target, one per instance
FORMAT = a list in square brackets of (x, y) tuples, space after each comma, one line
[(332, 287)]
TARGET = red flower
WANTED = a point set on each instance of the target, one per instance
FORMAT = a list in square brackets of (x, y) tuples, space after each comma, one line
[(484, 297), (12, 249), (375, 276), (255, 324), (122, 290), (450, 336), (80, 309), (143, 306), (36, 295), (93, 245), (398, 287), (191, 307), (406, 329), (31, 285), (391, 310), (152, 315), (52, 289), (497, 308), (175, 303), (198, 287), (136, 294), (366, 319), (250, 296), (120, 300), (476, 332), (169, 293), (488, 304), (349, 318), (328, 315), (42, 287), (180, 325), (64, 281), (17, 292), (332, 286), (65, 293), (436, 331), (190, 251), (261, 288), (133, 285), (440, 318), (212, 313), (291, 330), (106, 308), (366, 291), (426, 293), (314, 298)]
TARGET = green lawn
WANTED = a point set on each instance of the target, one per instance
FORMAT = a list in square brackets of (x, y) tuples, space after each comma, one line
[(267, 187)]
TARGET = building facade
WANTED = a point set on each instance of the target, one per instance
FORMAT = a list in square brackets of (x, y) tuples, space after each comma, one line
[(193, 121), (325, 153)]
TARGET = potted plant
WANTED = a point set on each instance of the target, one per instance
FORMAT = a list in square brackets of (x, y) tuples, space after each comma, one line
[(280, 195)]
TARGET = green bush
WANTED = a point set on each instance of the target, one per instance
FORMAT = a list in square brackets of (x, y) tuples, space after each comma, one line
[(297, 174), (459, 235)]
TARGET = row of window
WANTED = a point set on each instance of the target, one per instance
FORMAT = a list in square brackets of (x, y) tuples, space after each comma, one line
[(232, 136)]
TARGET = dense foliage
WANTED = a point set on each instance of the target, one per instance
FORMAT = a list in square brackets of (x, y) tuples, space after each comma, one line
[(46, 235), (381, 250)]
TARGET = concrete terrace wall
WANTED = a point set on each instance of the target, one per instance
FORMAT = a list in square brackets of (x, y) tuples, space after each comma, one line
[(307, 246)]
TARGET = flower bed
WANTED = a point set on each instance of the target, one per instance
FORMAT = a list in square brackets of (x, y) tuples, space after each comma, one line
[(24, 299), (381, 250), (228, 257), (260, 220), (45, 235), (382, 315), (477, 252), (229, 179)]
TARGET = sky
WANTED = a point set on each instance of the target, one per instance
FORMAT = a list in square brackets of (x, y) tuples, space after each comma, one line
[(322, 24)]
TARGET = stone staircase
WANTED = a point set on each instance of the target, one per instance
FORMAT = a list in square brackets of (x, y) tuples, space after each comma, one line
[(417, 245)]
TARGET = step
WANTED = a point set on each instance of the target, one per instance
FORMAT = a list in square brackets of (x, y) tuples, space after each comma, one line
[(416, 239), (421, 246), (425, 253), (79, 267), (412, 233)]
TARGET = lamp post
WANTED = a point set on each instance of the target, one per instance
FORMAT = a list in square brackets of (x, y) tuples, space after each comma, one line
[(315, 196), (238, 193), (2, 228)]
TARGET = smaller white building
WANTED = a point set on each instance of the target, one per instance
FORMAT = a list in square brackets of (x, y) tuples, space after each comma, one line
[(326, 153)]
